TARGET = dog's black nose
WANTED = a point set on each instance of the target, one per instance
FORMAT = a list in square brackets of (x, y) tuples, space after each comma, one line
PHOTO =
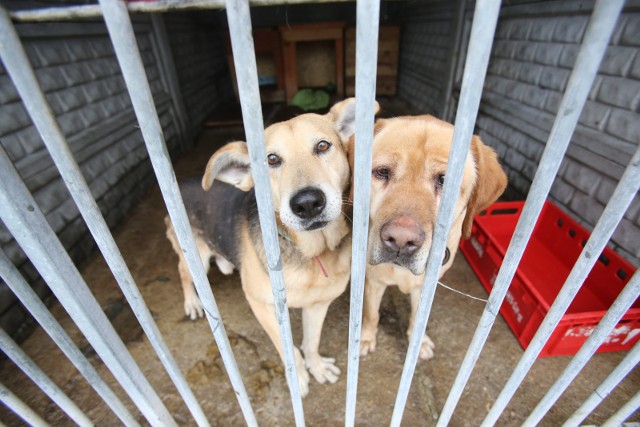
[(308, 203), (402, 235)]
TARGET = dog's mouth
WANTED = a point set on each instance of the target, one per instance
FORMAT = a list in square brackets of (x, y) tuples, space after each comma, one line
[(316, 225), (411, 263)]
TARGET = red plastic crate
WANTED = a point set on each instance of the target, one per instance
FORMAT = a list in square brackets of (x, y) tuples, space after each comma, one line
[(555, 245)]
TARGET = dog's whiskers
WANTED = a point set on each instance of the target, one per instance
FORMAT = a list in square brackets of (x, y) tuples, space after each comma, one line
[(346, 217)]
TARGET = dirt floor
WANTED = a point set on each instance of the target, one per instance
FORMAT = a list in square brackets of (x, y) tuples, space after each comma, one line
[(454, 318)]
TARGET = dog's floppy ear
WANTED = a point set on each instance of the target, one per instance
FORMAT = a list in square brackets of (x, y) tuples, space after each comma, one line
[(343, 115), (490, 182), (230, 164)]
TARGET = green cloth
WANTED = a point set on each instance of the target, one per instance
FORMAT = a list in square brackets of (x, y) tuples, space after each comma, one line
[(309, 99)]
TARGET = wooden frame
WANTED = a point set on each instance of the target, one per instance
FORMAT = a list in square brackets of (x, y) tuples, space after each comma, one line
[(291, 34)]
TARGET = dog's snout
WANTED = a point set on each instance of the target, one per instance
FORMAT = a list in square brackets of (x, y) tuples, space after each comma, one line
[(402, 235), (308, 203)]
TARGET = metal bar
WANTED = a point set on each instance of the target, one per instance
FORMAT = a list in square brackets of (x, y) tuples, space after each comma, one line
[(619, 307), (596, 39), (93, 11), (20, 408), (244, 59), (20, 358), (482, 32), (615, 377), (584, 71), (18, 67), (367, 26), (22, 217), (38, 310), (623, 413), (121, 31)]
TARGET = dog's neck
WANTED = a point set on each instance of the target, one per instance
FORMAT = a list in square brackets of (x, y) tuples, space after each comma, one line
[(314, 243)]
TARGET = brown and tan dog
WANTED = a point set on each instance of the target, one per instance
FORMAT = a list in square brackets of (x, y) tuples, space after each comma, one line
[(410, 156), (309, 174)]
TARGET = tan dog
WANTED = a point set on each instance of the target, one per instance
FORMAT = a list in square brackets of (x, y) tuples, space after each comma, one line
[(410, 156), (309, 174)]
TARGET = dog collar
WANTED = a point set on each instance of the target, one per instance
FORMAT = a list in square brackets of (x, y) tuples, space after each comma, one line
[(283, 233)]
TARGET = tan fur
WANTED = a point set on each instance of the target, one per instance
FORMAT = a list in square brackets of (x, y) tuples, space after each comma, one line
[(416, 150), (306, 286)]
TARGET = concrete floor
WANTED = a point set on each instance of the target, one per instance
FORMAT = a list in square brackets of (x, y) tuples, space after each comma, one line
[(453, 321)]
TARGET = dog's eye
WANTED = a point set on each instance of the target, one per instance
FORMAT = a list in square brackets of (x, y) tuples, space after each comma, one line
[(322, 146), (273, 160), (382, 173), (440, 180)]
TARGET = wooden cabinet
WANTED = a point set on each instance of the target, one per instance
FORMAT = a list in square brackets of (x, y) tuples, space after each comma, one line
[(388, 55), (292, 34)]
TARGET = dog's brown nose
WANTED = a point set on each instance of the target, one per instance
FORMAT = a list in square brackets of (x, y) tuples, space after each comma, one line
[(402, 235), (308, 203)]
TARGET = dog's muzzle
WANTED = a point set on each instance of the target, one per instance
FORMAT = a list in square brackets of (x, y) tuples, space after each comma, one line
[(308, 203), (402, 236), (400, 242)]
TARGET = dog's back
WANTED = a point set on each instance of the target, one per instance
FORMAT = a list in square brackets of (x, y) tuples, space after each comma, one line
[(217, 215)]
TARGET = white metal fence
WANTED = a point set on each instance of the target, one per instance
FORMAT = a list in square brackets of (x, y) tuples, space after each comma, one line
[(23, 218)]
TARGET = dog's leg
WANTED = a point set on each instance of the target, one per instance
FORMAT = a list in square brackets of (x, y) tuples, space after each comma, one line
[(427, 346), (266, 315), (323, 369), (373, 293), (192, 305)]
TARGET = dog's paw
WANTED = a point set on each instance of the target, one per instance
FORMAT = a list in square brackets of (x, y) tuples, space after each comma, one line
[(426, 348), (193, 307), (368, 338), (367, 346), (323, 369), (303, 380)]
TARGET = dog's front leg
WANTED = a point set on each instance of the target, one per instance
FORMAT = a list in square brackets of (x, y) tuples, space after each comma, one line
[(323, 369), (427, 346), (373, 293), (266, 315), (192, 305)]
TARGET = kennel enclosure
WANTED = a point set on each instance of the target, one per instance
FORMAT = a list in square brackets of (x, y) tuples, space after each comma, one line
[(541, 64)]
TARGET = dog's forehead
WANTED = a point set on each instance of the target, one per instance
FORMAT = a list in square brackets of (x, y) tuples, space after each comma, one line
[(307, 128), (415, 136)]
